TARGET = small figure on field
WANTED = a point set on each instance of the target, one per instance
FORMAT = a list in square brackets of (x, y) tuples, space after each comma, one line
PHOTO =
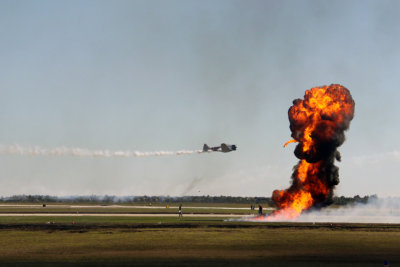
[(260, 210), (180, 210)]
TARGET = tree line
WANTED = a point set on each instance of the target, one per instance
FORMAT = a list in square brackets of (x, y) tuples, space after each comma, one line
[(106, 199)]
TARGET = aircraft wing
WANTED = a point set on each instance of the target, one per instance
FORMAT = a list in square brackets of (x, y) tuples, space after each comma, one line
[(227, 148)]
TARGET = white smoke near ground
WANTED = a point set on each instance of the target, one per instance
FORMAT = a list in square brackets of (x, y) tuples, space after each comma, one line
[(385, 210), (82, 152), (379, 210)]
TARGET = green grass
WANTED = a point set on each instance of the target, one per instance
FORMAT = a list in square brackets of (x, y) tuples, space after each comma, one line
[(212, 246), (63, 208), (126, 210), (188, 241), (105, 219), (157, 204)]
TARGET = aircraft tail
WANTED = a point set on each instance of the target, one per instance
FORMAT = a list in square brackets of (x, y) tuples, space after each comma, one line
[(206, 148)]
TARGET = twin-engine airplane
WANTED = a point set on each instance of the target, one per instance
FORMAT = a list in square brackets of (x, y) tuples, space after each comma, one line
[(223, 148)]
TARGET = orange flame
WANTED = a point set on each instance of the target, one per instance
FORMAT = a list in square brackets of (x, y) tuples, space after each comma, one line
[(317, 123), (290, 141), (318, 106)]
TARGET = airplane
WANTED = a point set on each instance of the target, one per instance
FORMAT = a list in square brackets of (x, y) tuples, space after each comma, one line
[(223, 148)]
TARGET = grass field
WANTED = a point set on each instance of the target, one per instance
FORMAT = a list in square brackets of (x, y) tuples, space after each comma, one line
[(66, 220), (192, 208), (192, 241), (206, 245)]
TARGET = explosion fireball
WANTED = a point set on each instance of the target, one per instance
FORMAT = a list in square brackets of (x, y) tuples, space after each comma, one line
[(317, 123)]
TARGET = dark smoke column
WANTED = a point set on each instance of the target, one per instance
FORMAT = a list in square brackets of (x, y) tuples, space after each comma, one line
[(317, 123)]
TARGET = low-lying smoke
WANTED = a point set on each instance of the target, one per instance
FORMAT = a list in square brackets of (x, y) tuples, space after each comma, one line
[(82, 152), (385, 210)]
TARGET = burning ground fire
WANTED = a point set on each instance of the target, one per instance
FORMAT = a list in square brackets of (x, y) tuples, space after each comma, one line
[(317, 123)]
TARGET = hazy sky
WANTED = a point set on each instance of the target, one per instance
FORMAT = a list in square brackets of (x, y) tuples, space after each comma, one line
[(171, 75)]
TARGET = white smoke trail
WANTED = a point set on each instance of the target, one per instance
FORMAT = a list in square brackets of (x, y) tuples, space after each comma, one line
[(381, 210), (82, 152)]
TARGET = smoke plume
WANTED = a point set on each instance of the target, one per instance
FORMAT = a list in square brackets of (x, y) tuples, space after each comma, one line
[(193, 183), (317, 124)]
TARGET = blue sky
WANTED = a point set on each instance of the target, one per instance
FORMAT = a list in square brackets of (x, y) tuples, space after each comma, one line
[(171, 75)]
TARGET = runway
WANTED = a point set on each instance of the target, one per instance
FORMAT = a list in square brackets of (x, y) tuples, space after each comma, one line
[(120, 215), (121, 206)]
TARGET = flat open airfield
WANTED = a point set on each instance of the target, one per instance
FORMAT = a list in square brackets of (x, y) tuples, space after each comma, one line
[(93, 235)]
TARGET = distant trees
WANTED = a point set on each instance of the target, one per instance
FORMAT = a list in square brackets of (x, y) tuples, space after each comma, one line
[(29, 198), (350, 200), (342, 200)]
